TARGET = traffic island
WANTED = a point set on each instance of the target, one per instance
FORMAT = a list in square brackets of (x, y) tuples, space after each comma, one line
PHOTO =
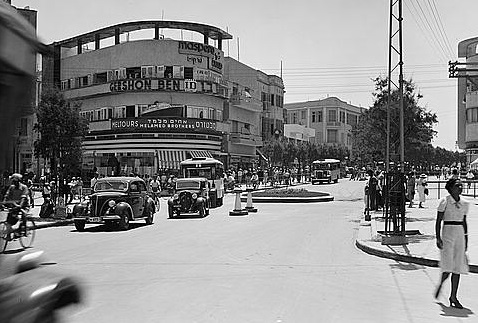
[(288, 195)]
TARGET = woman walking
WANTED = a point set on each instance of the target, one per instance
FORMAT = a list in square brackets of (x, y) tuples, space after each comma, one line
[(421, 186), (452, 238)]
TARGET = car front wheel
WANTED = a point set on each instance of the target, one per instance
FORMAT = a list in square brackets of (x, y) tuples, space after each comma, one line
[(80, 226), (171, 212), (124, 222)]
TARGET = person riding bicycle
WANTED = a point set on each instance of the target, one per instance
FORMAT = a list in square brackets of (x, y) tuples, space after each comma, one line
[(155, 186), (17, 196)]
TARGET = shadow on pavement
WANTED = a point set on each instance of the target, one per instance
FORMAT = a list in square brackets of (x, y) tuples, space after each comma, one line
[(106, 228), (455, 312), (406, 266)]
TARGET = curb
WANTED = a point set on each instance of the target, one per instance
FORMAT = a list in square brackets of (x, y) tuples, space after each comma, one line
[(404, 258)]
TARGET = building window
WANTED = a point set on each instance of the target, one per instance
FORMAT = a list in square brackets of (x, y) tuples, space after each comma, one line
[(352, 119), (342, 116), (332, 116), (332, 136), (130, 111), (319, 116), (272, 99), (302, 114), (101, 78), (472, 115), (189, 73), (314, 116), (23, 127)]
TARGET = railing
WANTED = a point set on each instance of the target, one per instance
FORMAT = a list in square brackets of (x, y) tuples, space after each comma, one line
[(470, 188)]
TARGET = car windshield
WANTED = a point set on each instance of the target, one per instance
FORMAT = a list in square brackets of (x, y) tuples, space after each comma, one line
[(182, 185), (111, 185)]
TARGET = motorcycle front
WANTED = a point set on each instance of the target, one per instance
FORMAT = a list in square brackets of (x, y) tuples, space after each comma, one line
[(33, 292)]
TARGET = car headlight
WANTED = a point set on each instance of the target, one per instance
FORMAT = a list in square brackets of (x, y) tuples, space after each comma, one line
[(195, 196), (111, 203), (176, 196)]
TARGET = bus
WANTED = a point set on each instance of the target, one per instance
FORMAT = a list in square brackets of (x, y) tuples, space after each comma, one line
[(210, 168), (325, 170)]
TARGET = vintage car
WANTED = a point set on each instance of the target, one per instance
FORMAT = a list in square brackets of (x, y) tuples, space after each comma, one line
[(115, 200), (191, 196), (33, 292)]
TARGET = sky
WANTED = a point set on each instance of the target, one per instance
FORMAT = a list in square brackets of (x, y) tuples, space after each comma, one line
[(322, 48)]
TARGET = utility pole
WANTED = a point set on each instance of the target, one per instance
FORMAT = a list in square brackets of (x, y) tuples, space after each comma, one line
[(394, 232)]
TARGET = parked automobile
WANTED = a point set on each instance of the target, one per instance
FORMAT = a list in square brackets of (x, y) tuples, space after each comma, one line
[(33, 293), (115, 201), (192, 196)]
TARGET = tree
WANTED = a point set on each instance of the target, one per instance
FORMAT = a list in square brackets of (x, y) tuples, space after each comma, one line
[(370, 133), (61, 132)]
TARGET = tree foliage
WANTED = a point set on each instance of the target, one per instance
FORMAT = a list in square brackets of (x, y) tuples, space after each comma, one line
[(370, 134), (284, 153), (61, 131)]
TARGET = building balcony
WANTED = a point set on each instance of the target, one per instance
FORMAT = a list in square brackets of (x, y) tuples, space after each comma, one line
[(247, 103), (238, 138), (334, 124)]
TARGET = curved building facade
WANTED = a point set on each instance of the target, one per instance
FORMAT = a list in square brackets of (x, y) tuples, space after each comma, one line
[(467, 103), (153, 102)]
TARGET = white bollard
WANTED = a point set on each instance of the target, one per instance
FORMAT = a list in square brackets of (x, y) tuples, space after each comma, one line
[(237, 204), (249, 206)]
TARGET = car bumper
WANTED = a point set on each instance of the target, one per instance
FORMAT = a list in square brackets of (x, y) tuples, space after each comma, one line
[(98, 219)]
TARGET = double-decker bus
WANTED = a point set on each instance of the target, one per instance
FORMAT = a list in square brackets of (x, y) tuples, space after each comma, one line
[(210, 168), (325, 170)]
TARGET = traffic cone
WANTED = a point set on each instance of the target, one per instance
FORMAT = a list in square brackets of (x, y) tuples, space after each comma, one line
[(237, 204), (249, 206)]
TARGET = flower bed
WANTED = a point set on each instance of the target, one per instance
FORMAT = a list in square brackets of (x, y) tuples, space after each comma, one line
[(288, 192)]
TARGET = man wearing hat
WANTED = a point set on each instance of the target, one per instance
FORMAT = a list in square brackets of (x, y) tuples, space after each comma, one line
[(421, 187), (17, 196)]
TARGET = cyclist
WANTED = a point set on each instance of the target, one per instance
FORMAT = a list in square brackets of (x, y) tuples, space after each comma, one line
[(16, 195), (155, 187)]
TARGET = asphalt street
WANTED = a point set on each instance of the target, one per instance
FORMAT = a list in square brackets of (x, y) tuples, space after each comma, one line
[(285, 263)]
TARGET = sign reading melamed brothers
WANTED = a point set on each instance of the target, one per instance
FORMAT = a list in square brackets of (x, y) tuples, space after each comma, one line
[(164, 124), (144, 85)]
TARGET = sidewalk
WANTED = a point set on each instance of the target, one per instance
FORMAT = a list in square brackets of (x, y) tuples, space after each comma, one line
[(421, 248), (41, 223)]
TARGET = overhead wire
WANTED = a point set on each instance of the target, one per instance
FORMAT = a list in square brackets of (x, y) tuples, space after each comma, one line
[(445, 36)]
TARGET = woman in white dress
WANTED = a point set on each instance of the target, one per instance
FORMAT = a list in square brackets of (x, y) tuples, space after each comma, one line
[(452, 238), (421, 185)]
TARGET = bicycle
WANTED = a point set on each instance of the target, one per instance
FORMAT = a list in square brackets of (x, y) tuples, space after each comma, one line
[(25, 231)]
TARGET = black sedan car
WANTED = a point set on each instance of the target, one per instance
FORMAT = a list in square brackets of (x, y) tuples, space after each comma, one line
[(116, 200), (191, 196)]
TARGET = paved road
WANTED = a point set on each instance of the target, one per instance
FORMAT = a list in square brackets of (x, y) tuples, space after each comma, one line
[(286, 263)]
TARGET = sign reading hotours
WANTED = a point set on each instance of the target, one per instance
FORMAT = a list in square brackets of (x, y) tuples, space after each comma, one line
[(163, 124)]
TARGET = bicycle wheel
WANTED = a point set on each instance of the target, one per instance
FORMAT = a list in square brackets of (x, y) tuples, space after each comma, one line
[(3, 236), (27, 233)]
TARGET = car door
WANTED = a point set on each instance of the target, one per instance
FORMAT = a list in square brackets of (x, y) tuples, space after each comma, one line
[(136, 198)]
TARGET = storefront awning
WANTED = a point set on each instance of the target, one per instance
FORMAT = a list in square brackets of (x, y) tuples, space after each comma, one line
[(200, 153), (170, 159), (262, 155)]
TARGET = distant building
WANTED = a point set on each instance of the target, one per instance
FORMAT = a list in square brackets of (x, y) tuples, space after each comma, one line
[(154, 101), (467, 102), (331, 118)]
